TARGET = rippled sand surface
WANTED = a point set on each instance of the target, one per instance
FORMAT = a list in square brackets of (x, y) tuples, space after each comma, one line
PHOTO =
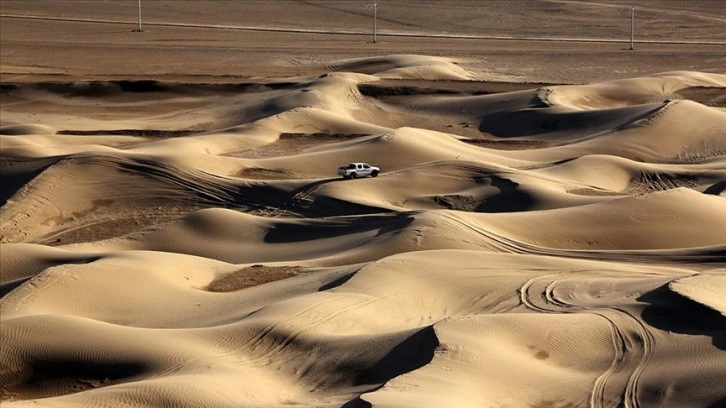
[(171, 240)]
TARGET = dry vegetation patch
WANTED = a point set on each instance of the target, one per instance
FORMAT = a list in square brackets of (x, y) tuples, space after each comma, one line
[(251, 276), (508, 144)]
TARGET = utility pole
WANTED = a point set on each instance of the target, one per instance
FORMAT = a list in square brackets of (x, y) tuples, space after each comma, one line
[(375, 17), (139, 29), (632, 27)]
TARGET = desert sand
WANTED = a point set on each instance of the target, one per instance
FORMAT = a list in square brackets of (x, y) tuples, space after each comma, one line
[(548, 228)]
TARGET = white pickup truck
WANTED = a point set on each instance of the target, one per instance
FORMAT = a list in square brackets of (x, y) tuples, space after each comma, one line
[(354, 170)]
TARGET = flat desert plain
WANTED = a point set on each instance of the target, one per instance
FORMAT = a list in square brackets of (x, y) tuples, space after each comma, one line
[(548, 228)]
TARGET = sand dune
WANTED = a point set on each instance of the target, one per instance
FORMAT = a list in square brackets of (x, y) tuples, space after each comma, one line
[(190, 244), (406, 67)]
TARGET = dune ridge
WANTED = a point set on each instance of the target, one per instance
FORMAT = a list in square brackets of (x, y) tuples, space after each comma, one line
[(561, 245)]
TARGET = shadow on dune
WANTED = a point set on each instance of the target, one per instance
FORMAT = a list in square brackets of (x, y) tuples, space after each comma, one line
[(15, 173), (716, 189), (510, 198), (287, 233), (299, 201), (378, 91), (368, 66), (337, 282), (357, 402), (99, 89), (50, 378), (330, 206), (8, 287), (570, 124), (411, 354), (670, 311)]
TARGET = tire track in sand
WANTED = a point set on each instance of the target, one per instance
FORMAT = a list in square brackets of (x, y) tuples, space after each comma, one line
[(633, 343), (714, 254)]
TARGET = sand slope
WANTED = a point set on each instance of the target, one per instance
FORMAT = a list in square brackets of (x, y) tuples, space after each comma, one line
[(189, 244)]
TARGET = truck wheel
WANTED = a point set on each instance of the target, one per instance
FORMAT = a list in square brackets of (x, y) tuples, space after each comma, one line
[(374, 174), (353, 175)]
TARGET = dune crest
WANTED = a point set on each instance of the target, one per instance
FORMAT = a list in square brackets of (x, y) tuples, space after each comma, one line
[(703, 288), (625, 92), (406, 67)]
